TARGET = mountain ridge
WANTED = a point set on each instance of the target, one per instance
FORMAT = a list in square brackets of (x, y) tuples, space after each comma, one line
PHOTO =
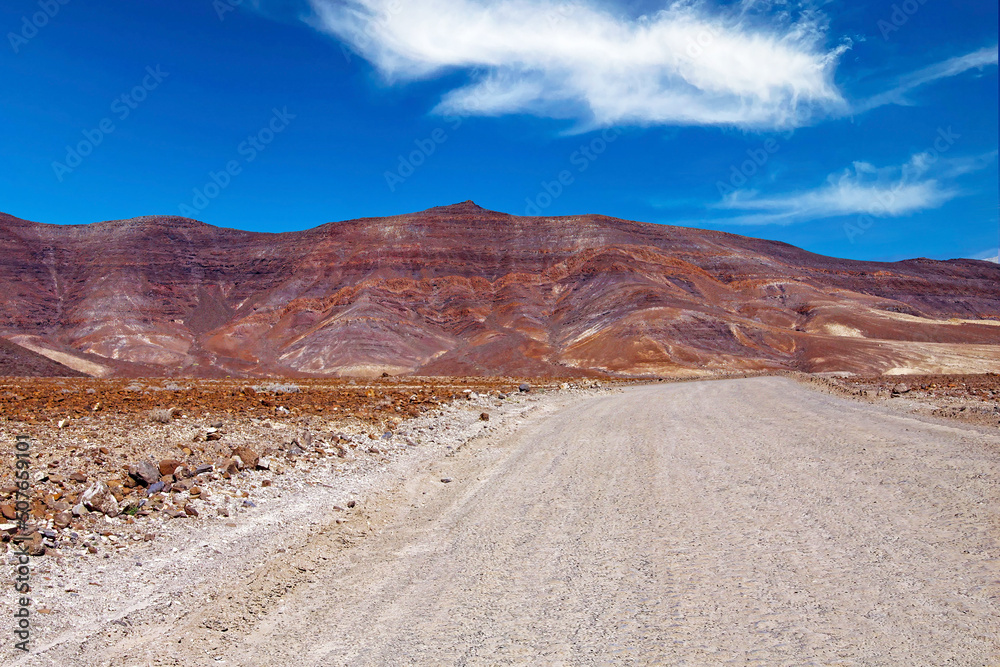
[(509, 295)]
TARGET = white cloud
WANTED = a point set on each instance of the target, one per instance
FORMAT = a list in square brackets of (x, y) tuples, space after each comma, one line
[(948, 68), (684, 65), (920, 184), (750, 64)]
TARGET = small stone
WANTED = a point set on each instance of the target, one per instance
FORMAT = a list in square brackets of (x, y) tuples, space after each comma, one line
[(446, 480), (190, 510), (351, 504), (80, 510), (98, 498), (900, 389), (148, 537), (62, 519), (168, 466), (35, 544), (145, 472), (485, 416), (156, 488), (63, 423), (249, 503), (264, 463), (248, 456), (524, 387), (78, 476), (223, 511), (202, 469), (266, 482)]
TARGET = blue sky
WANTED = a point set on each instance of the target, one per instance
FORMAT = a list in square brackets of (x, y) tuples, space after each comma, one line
[(862, 130)]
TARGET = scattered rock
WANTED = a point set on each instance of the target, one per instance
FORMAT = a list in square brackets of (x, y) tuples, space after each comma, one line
[(145, 472), (168, 466), (35, 544), (446, 480), (62, 519), (900, 388), (78, 476), (98, 498), (190, 510), (485, 416), (248, 456), (524, 387)]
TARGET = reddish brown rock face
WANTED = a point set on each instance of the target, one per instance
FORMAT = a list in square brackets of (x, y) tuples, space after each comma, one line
[(462, 290)]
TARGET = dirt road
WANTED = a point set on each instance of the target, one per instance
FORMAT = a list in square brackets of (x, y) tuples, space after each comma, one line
[(751, 522)]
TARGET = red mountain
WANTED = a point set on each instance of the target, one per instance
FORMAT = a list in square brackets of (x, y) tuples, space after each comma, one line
[(463, 290)]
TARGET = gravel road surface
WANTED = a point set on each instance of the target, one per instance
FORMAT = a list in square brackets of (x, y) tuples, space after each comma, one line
[(747, 522)]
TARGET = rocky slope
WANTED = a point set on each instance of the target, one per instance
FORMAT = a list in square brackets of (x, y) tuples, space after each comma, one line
[(465, 291), (17, 361)]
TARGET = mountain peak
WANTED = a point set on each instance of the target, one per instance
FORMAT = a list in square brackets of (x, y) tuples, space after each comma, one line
[(466, 207)]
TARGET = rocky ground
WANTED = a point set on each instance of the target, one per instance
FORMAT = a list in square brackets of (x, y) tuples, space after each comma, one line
[(113, 462), (970, 398)]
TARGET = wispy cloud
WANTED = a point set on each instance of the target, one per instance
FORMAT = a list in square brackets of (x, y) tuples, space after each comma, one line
[(684, 65), (692, 63), (924, 182), (948, 68)]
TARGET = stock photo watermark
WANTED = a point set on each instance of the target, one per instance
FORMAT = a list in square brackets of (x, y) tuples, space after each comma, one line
[(31, 24), (121, 108), (884, 200), (740, 174), (22, 573), (248, 150), (407, 164), (424, 148), (582, 159), (900, 15)]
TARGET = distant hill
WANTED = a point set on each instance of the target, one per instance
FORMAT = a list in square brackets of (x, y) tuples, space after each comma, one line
[(466, 291)]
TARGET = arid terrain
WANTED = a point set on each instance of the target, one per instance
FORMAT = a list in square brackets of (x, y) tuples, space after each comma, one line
[(460, 290), (760, 521), (155, 447)]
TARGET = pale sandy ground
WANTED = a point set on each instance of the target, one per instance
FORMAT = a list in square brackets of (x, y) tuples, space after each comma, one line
[(749, 522)]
